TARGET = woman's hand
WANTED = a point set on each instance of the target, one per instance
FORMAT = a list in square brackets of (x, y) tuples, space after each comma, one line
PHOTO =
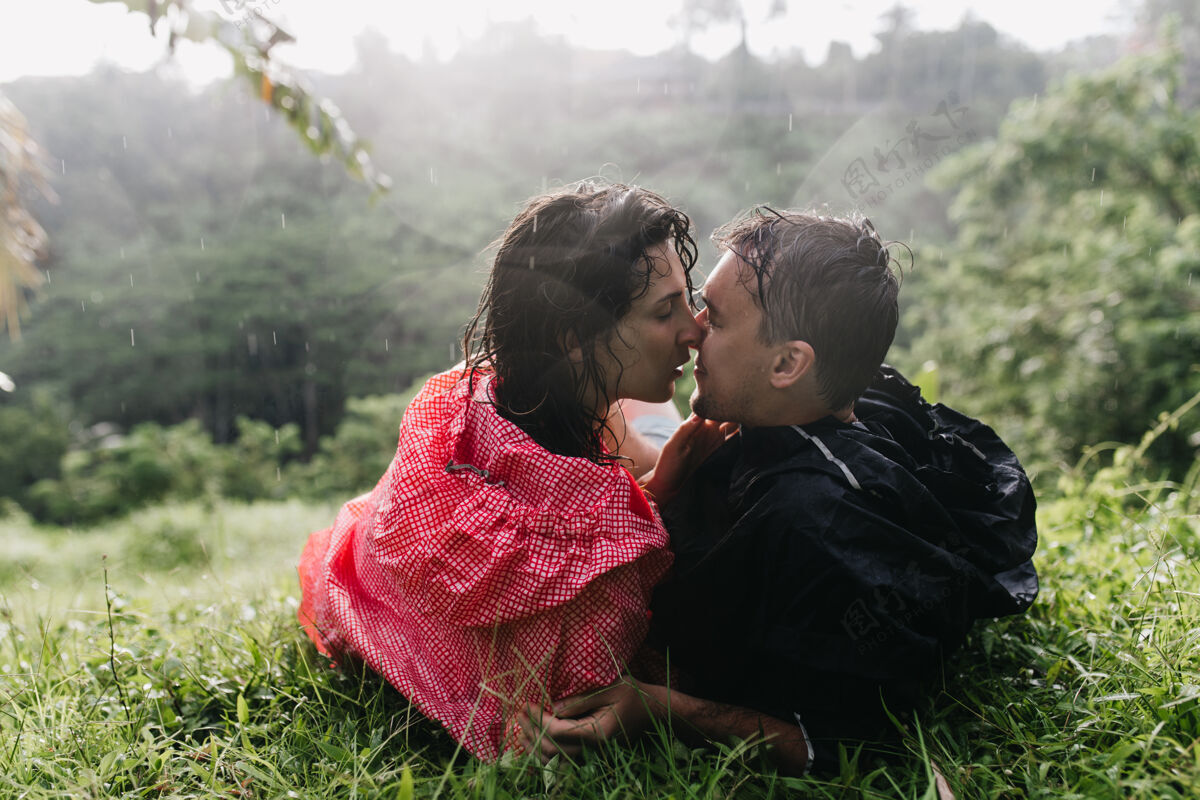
[(692, 443)]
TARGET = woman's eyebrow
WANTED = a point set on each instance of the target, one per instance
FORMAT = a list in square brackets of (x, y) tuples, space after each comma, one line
[(667, 297)]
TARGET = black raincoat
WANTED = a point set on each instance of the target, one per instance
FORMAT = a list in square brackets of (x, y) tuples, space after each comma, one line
[(824, 568)]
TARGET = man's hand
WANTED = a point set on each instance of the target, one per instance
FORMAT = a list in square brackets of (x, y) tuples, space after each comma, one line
[(692, 443), (622, 710), (629, 708)]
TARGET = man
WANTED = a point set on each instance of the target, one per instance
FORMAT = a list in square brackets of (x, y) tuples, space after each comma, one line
[(830, 553)]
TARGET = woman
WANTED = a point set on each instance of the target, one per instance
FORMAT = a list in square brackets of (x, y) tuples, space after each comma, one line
[(507, 556)]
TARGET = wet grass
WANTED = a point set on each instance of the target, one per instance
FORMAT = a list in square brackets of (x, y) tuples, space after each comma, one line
[(158, 656)]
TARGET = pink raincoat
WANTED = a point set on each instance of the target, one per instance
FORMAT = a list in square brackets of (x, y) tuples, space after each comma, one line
[(483, 572)]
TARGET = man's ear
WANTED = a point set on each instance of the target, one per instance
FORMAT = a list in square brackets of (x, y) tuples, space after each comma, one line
[(793, 360)]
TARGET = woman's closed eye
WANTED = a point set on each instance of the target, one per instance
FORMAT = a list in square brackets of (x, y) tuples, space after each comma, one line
[(667, 309)]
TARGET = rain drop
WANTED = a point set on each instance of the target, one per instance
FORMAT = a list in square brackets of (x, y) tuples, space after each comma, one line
[(201, 242), (789, 123), (1093, 172), (639, 85), (778, 168), (535, 223), (131, 344), (82, 306), (131, 279), (170, 133), (1124, 220), (1101, 197), (282, 221), (47, 276), (277, 436), (122, 253), (385, 346), (124, 144), (278, 475), (306, 347), (273, 339), (197, 276), (64, 166)]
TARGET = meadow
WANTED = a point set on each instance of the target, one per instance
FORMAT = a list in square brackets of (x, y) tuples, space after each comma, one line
[(159, 656)]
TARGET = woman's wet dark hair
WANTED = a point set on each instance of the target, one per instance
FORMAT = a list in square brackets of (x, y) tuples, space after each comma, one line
[(565, 272)]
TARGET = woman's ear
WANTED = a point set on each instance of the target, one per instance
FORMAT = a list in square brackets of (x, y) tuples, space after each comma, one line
[(792, 361), (571, 348)]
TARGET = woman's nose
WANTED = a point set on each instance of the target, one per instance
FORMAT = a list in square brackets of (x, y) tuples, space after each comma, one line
[(693, 332)]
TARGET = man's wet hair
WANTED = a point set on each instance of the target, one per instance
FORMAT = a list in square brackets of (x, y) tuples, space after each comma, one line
[(566, 271), (829, 281)]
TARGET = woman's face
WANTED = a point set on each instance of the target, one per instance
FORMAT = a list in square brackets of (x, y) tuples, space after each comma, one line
[(650, 344)]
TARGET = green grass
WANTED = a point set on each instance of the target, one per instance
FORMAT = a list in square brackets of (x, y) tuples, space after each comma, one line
[(158, 656)]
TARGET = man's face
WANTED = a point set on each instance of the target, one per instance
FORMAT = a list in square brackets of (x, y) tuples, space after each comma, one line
[(732, 363)]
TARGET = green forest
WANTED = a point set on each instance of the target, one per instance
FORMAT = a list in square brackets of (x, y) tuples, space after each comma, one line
[(224, 328)]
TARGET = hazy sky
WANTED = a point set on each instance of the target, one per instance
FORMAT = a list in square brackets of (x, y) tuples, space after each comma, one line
[(68, 37)]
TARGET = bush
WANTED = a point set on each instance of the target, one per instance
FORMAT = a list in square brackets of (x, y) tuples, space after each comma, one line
[(112, 474), (109, 474), (352, 460), (252, 466), (35, 437)]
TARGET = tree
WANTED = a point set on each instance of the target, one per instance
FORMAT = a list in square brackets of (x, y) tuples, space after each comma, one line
[(249, 35), (249, 40), (22, 239), (1069, 305)]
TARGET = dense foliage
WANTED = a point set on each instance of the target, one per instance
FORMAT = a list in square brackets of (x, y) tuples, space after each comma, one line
[(1068, 308)]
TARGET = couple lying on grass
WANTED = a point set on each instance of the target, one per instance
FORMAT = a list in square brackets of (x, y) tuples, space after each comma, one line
[(534, 574)]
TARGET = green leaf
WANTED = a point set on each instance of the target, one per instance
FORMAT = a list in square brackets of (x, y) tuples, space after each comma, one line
[(405, 792)]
